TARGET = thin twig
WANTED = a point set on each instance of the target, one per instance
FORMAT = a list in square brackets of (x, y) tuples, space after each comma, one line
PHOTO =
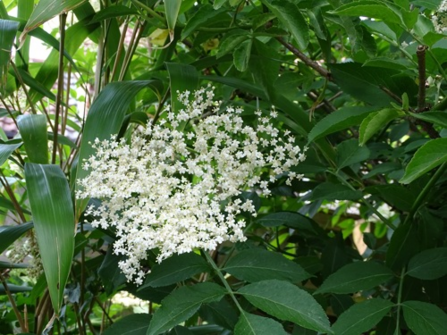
[(420, 53), (13, 304)]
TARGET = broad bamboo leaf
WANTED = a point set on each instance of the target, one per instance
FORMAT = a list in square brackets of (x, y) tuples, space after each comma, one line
[(33, 83), (134, 324), (290, 16), (33, 129), (429, 156), (172, 8), (258, 264), (52, 210), (182, 304), (362, 317), (250, 324), (6, 150), (287, 302), (356, 277), (14, 289), (374, 122), (46, 10), (113, 11), (175, 269), (339, 120), (183, 77), (8, 234), (429, 264), (105, 118), (329, 191), (349, 152), (424, 318), (8, 31)]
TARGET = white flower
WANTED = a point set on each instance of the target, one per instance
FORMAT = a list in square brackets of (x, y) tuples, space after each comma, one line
[(439, 18), (176, 189)]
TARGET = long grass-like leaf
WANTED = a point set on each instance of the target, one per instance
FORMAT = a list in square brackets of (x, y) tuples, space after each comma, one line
[(52, 210)]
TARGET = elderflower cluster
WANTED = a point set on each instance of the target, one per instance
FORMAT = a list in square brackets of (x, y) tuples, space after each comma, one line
[(439, 18), (177, 185)]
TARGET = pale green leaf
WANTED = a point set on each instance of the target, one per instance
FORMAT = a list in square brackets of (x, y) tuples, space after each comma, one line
[(241, 55), (52, 210), (172, 8), (429, 156), (8, 31), (375, 122), (287, 302), (356, 277), (361, 317), (372, 9)]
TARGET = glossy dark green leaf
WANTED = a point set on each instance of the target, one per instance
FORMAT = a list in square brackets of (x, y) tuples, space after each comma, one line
[(349, 152), (375, 122), (362, 317), (329, 191), (204, 14), (14, 289), (52, 210), (395, 195), (287, 302), (222, 313), (404, 244), (292, 220), (258, 264), (134, 324), (429, 264), (339, 120), (437, 118), (368, 8), (356, 277), (175, 269), (424, 318), (33, 130), (429, 156), (231, 41), (111, 275), (250, 324), (290, 16), (8, 234), (182, 304)]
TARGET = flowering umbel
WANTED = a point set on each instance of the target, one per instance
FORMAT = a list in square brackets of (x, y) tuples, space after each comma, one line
[(439, 18), (176, 186)]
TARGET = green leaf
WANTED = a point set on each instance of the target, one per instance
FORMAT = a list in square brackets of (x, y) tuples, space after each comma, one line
[(33, 83), (349, 152), (373, 9), (424, 318), (429, 264), (258, 264), (7, 265), (241, 55), (329, 191), (250, 324), (135, 324), (105, 118), (6, 150), (290, 16), (429, 156), (182, 304), (403, 245), (339, 120), (113, 11), (437, 118), (183, 77), (375, 122), (221, 313), (172, 8), (287, 302), (356, 277), (231, 41), (8, 234), (33, 130), (362, 317), (176, 268), (52, 209), (111, 275), (204, 14), (14, 289), (46, 10), (8, 31), (395, 195), (292, 220)]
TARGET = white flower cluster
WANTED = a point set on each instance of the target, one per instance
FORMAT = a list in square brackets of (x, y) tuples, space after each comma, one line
[(175, 187), (439, 18)]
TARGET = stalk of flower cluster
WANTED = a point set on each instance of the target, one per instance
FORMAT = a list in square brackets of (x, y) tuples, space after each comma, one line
[(176, 186)]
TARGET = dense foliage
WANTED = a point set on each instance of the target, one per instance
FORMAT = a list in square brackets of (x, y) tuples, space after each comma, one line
[(350, 241)]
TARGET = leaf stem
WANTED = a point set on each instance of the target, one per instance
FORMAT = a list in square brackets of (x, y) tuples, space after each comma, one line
[(399, 300), (222, 279)]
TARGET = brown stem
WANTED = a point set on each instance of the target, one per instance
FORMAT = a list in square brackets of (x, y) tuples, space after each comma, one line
[(420, 53), (12, 197), (14, 306), (306, 60)]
